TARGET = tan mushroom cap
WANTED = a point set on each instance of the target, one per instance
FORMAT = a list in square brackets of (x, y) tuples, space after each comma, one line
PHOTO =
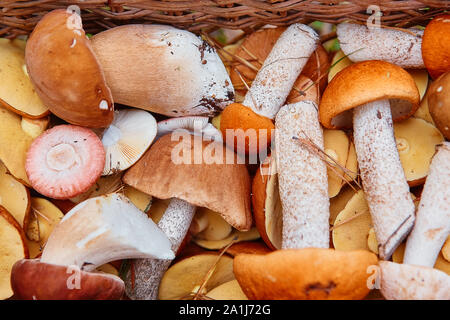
[(222, 187), (366, 82), (35, 280), (65, 71), (311, 274)]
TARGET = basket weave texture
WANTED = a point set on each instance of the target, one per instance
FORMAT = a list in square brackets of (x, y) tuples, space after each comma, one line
[(19, 17)]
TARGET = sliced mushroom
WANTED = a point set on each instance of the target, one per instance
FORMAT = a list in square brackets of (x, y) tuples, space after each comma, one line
[(17, 92), (95, 232), (302, 176), (400, 47), (432, 225), (163, 70), (66, 73), (367, 87), (127, 138), (189, 184)]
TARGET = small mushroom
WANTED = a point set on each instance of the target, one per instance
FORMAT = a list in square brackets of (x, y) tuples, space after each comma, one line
[(95, 232), (270, 88), (65, 161), (127, 138), (400, 47), (439, 103), (302, 177), (408, 282), (294, 274), (195, 125), (220, 186), (432, 225), (66, 73), (436, 47), (368, 87), (163, 70), (16, 92)]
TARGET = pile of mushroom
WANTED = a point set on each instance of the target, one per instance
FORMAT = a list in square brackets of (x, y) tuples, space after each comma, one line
[(263, 169)]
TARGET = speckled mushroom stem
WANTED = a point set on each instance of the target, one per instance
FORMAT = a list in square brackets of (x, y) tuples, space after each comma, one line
[(432, 225), (302, 176), (281, 68), (385, 186), (142, 283)]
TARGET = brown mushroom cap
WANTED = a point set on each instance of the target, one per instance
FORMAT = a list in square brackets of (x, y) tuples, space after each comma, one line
[(366, 82), (311, 273), (66, 73), (222, 187), (35, 280), (439, 103)]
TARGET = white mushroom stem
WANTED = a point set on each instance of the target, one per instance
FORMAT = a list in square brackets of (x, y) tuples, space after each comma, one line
[(400, 47), (432, 225), (281, 68), (407, 282), (142, 283), (104, 229), (302, 175), (385, 186)]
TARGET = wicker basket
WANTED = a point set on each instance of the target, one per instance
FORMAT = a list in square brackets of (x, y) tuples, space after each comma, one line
[(18, 17)]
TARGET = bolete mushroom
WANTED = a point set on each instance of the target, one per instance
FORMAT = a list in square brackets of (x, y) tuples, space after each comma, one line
[(66, 73), (95, 232), (368, 87), (127, 138), (302, 176), (305, 274), (436, 47), (184, 172), (17, 92), (163, 70), (269, 90), (439, 103), (65, 161), (397, 46), (432, 225), (195, 125)]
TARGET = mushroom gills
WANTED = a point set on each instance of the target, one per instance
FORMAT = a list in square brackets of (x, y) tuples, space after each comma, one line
[(104, 229), (148, 273), (383, 178)]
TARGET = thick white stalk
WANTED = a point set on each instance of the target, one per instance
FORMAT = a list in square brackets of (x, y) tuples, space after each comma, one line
[(385, 186), (432, 225), (302, 176), (142, 283), (281, 68)]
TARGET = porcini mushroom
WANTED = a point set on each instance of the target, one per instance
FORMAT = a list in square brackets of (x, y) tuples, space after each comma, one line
[(439, 103), (432, 225), (65, 161), (397, 46), (302, 177), (189, 183), (295, 274), (97, 231), (270, 88), (163, 70), (66, 73), (368, 86), (127, 138)]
